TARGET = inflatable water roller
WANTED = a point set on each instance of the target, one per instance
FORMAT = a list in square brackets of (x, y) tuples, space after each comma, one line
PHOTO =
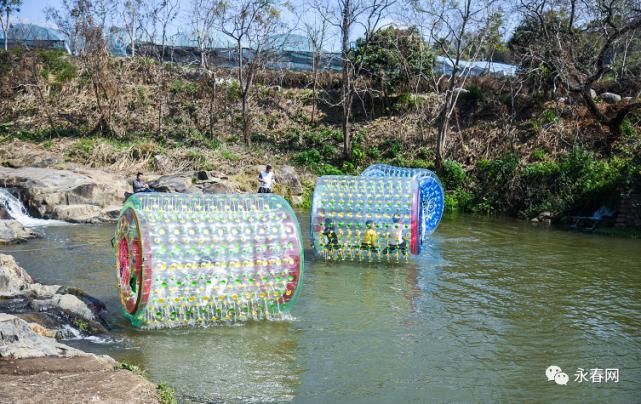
[(195, 259), (385, 214), (431, 195)]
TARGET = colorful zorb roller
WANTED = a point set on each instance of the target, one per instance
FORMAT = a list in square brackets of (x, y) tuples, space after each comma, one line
[(431, 195), (365, 218), (189, 260)]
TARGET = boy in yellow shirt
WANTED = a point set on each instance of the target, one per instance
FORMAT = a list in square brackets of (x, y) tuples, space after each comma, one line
[(370, 237)]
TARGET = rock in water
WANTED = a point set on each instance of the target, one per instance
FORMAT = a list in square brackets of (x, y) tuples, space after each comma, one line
[(50, 306), (18, 341), (78, 213), (13, 279), (12, 231)]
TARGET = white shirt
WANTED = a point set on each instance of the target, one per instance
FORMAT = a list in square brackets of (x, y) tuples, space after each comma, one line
[(266, 179)]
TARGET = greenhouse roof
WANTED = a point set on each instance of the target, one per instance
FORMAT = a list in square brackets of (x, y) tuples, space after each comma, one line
[(31, 32)]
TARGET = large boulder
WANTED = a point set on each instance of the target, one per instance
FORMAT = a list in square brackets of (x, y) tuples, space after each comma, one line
[(12, 231), (18, 340), (172, 183), (287, 176), (79, 213), (610, 98), (13, 279), (68, 303), (217, 188), (50, 306), (44, 190), (210, 176)]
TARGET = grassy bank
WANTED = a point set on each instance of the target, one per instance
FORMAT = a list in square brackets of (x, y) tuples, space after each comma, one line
[(509, 154)]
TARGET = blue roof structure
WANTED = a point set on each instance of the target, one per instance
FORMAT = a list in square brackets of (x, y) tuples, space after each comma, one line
[(35, 35)]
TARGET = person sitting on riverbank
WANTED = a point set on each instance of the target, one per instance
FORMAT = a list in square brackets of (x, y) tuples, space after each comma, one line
[(139, 184), (370, 237), (266, 180)]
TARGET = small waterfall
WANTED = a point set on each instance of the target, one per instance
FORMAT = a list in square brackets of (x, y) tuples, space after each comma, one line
[(18, 212)]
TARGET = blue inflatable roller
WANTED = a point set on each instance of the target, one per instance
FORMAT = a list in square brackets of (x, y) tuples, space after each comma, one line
[(431, 194)]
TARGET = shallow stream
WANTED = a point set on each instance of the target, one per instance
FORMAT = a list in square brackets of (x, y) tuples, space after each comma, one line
[(479, 317)]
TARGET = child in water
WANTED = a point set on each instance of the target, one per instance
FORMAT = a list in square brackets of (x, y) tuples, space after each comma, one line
[(370, 237), (396, 239), (330, 234)]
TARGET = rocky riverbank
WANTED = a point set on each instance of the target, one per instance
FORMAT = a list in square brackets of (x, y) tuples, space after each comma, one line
[(35, 366), (49, 187)]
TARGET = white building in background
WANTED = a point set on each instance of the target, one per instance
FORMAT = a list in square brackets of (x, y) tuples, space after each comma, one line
[(443, 65)]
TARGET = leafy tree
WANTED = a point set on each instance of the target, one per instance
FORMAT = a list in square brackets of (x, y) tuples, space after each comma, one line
[(395, 58)]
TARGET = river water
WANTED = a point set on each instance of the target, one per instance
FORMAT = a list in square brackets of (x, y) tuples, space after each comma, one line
[(479, 317)]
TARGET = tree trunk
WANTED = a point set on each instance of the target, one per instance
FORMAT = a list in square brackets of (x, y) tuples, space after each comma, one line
[(246, 121), (443, 130), (314, 88), (346, 90), (5, 30), (203, 58)]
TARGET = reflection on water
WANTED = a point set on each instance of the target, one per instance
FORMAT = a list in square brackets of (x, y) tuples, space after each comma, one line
[(479, 317)]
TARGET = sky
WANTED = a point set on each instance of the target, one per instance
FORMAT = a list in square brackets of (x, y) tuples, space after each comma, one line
[(32, 12)]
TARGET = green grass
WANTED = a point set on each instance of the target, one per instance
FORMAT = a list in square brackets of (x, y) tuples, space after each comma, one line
[(132, 368), (167, 394)]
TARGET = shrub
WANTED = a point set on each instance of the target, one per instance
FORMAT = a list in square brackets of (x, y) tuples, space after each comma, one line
[(538, 155), (452, 175), (179, 86), (474, 94), (308, 157)]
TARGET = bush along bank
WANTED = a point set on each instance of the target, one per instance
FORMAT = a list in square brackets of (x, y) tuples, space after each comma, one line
[(575, 184)]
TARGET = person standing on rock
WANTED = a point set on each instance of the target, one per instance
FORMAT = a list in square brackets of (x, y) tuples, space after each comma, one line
[(266, 180), (140, 185)]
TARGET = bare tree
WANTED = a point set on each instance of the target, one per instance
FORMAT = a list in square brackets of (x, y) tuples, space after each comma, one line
[(71, 18), (132, 18), (316, 30), (77, 20), (345, 16), (7, 8), (456, 29), (102, 11), (252, 25), (163, 14), (203, 19), (579, 48)]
